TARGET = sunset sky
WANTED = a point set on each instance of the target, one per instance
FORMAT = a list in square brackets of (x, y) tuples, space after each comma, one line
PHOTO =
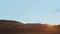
[(37, 11)]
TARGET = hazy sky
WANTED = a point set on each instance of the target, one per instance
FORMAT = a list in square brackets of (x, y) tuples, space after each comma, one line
[(38, 11)]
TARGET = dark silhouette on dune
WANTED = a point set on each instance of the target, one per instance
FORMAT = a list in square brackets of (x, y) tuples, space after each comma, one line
[(15, 27)]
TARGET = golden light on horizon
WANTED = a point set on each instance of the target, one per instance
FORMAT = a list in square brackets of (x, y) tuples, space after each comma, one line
[(51, 24), (50, 27)]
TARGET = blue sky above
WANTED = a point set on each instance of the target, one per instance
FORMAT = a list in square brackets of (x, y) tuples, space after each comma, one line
[(38, 11)]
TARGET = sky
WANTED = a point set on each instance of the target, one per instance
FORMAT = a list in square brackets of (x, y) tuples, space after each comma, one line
[(34, 11)]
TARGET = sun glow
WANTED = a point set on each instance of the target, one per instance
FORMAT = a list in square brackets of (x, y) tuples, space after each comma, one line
[(50, 24)]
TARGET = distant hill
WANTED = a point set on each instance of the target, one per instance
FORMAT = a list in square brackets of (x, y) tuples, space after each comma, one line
[(9, 26), (15, 27)]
